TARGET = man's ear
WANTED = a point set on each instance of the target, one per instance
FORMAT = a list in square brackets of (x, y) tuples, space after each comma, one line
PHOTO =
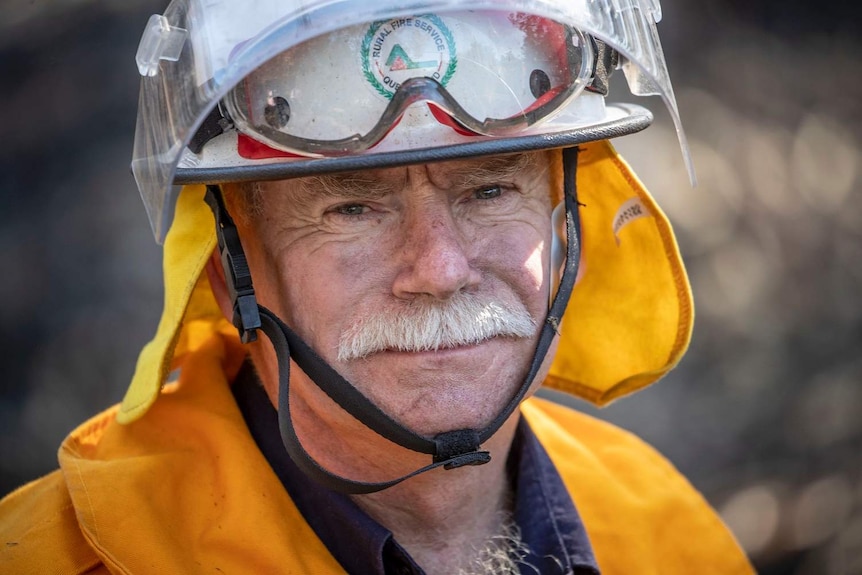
[(215, 275)]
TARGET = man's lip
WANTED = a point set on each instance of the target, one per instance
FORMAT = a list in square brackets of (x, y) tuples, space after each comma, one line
[(438, 353)]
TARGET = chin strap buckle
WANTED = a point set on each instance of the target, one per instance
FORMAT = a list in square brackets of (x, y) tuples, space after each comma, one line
[(459, 448), (246, 316), (475, 458)]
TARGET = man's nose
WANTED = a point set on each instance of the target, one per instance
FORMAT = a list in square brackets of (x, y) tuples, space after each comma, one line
[(435, 256)]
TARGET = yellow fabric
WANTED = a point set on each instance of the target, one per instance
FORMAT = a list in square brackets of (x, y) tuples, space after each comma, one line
[(185, 490), (641, 514), (39, 532), (190, 311), (629, 320), (630, 317), (182, 490)]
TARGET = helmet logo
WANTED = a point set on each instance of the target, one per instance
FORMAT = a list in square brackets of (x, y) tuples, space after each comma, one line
[(394, 51)]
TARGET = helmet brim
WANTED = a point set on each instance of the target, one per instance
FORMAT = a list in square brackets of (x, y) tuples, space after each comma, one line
[(627, 119)]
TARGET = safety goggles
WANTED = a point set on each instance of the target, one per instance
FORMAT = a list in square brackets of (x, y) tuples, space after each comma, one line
[(484, 72)]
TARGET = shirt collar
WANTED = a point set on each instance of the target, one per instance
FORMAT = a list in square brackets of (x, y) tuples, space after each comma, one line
[(544, 512)]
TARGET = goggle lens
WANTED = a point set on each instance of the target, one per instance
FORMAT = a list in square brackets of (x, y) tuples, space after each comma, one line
[(494, 73)]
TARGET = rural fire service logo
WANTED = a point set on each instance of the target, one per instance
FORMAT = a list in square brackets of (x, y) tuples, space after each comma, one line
[(396, 50)]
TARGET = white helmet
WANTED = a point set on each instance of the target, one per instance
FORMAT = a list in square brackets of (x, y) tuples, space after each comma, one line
[(288, 88), (274, 89)]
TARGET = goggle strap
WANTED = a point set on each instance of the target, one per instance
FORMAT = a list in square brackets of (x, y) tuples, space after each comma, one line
[(606, 61), (215, 124)]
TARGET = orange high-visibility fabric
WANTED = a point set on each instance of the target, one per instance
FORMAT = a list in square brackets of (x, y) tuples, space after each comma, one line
[(184, 489)]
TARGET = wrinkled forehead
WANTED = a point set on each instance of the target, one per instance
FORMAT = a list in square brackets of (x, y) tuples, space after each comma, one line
[(539, 171)]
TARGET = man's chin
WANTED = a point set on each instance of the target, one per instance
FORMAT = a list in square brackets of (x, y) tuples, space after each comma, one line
[(453, 388)]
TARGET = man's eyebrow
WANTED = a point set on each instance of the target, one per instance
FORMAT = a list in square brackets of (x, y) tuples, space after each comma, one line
[(349, 185), (492, 170), (361, 186)]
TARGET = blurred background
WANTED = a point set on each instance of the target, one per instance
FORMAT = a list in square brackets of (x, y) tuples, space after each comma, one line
[(764, 414)]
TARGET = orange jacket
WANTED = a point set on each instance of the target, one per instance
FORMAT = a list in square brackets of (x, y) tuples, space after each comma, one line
[(184, 489), (170, 481)]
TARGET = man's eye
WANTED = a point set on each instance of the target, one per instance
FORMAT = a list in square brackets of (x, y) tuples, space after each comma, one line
[(351, 209), (488, 193)]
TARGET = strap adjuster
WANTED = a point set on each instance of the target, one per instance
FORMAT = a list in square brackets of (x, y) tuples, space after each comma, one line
[(459, 448)]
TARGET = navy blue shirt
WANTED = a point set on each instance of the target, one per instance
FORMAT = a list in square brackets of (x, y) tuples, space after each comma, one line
[(543, 510)]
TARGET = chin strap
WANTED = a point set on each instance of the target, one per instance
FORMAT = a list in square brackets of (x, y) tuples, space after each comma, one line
[(237, 275), (451, 449)]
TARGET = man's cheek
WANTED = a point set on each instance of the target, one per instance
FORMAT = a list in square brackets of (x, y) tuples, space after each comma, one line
[(520, 260)]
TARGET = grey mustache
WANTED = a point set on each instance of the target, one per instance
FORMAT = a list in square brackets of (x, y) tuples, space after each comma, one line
[(430, 325)]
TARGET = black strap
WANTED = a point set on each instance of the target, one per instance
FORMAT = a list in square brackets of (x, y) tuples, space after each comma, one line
[(236, 271), (275, 329), (605, 61), (346, 395), (215, 124), (450, 449), (554, 318)]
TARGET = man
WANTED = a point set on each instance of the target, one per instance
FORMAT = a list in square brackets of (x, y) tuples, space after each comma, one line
[(403, 201)]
